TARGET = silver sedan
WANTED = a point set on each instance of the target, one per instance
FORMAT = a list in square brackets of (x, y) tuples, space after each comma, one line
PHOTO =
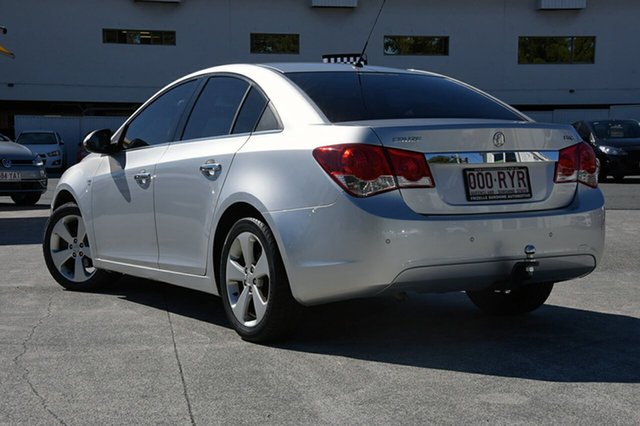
[(285, 185)]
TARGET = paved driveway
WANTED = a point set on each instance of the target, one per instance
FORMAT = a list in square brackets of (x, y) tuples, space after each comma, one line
[(144, 352)]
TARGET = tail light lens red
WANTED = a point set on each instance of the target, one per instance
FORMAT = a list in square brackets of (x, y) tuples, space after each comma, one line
[(364, 170), (577, 163), (411, 169)]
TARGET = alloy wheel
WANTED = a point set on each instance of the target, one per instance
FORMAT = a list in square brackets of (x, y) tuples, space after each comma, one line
[(247, 279), (70, 250)]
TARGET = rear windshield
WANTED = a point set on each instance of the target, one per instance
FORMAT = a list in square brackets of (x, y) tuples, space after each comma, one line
[(37, 139), (610, 129), (351, 96)]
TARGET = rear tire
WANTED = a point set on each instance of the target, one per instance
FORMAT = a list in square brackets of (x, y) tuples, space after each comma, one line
[(254, 287), (26, 199), (68, 254), (514, 302)]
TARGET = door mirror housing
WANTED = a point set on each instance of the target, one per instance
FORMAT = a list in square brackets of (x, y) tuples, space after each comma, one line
[(99, 141)]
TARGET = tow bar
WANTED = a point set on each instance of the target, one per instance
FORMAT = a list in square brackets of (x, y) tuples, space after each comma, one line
[(530, 263)]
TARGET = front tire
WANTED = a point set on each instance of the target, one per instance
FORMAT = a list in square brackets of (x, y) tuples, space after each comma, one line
[(255, 290), (67, 252), (513, 302), (26, 199)]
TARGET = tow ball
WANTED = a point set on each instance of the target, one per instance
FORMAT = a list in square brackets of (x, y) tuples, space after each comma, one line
[(523, 270), (530, 262)]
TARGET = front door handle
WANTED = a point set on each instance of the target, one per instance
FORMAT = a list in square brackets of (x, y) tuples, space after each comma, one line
[(210, 168), (142, 177)]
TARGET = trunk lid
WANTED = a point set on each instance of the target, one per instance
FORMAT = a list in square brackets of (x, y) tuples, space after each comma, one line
[(482, 166)]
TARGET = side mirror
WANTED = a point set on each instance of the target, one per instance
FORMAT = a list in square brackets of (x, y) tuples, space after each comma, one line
[(99, 141), (592, 138)]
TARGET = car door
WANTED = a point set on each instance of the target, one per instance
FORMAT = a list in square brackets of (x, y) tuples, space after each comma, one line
[(192, 171), (122, 189)]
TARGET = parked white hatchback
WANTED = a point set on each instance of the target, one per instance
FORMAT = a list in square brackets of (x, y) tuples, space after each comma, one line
[(276, 186), (47, 144)]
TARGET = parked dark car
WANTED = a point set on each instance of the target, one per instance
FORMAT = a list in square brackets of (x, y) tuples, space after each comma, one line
[(617, 145), (22, 174)]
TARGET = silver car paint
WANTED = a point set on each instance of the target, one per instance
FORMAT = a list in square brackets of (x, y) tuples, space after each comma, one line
[(335, 246), (383, 238)]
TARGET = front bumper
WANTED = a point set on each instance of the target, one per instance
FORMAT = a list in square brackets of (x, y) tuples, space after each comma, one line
[(362, 247), (32, 180), (621, 164)]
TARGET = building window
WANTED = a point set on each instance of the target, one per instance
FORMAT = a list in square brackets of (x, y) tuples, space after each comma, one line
[(556, 50), (275, 43), (139, 37), (416, 45)]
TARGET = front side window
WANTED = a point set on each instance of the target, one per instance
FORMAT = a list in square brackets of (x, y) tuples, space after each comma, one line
[(157, 122), (354, 96), (416, 45), (556, 50), (216, 108), (275, 43)]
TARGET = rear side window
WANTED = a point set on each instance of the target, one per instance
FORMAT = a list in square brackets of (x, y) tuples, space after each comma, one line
[(216, 108), (268, 121), (351, 96), (250, 112)]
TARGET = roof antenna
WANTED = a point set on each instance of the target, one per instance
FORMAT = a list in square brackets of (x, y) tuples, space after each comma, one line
[(359, 62)]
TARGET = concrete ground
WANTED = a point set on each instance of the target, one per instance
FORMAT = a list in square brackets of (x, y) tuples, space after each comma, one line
[(143, 352)]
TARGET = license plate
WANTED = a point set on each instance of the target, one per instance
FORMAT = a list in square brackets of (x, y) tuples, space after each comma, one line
[(10, 176), (497, 183)]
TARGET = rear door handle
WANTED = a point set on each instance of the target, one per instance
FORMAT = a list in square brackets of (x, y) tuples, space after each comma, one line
[(210, 168)]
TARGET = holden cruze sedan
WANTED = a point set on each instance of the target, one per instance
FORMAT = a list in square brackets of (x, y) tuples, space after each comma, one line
[(280, 186)]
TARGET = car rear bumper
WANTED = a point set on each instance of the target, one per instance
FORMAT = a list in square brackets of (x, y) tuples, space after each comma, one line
[(361, 247), (502, 274)]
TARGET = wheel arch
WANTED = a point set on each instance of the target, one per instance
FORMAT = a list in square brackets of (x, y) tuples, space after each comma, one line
[(231, 215), (63, 197)]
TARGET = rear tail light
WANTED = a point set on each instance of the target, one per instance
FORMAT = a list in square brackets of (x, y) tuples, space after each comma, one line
[(411, 169), (364, 170), (577, 163)]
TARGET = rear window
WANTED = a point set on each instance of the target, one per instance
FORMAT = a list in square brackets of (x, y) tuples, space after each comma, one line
[(37, 139), (351, 96)]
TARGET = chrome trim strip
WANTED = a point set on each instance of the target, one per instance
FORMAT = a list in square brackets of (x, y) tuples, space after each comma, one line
[(491, 157)]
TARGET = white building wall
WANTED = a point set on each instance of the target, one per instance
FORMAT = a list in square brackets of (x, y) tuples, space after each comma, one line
[(60, 55)]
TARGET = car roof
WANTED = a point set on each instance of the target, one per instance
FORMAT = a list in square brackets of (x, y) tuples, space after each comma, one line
[(287, 67), (297, 67)]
